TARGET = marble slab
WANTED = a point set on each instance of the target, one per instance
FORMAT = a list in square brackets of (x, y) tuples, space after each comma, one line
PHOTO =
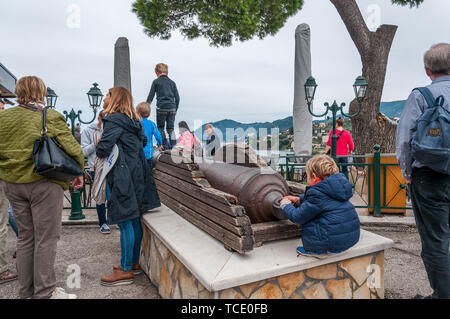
[(218, 269)]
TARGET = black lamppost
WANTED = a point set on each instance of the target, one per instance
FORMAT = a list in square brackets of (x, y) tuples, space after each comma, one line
[(360, 87), (51, 98), (95, 97)]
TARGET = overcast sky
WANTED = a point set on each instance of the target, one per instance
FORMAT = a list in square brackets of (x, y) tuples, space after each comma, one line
[(248, 82)]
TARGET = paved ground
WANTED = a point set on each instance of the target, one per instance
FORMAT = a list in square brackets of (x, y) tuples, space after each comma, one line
[(95, 253)]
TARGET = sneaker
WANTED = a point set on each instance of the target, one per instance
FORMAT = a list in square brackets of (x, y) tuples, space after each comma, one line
[(105, 229), (59, 293), (7, 276), (321, 255)]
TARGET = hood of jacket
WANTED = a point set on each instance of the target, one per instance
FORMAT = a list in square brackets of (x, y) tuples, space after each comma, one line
[(335, 186), (131, 125)]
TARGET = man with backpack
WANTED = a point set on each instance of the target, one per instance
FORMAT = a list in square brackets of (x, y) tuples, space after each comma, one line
[(423, 152)]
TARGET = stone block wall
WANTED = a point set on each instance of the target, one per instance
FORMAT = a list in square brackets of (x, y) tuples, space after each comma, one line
[(348, 279)]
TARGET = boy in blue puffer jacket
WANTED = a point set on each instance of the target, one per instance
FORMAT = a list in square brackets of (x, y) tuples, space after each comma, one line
[(329, 221)]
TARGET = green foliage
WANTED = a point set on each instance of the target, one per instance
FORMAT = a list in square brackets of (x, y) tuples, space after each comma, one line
[(220, 21)]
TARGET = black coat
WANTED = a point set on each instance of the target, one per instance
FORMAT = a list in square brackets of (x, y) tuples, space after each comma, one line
[(133, 190)]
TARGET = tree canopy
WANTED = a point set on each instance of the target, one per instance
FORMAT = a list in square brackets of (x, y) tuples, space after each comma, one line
[(220, 21)]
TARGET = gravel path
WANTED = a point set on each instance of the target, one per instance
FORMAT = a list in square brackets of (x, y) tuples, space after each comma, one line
[(95, 254)]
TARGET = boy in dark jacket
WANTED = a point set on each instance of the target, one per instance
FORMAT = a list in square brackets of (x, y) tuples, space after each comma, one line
[(167, 102), (329, 221)]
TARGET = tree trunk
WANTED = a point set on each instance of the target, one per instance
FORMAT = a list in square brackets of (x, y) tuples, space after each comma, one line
[(370, 127)]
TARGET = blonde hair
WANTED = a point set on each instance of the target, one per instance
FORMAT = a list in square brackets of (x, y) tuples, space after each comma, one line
[(322, 166), (161, 68), (437, 59), (121, 102), (143, 109), (30, 89)]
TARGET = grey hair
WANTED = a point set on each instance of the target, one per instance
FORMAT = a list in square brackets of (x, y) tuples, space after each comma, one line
[(437, 59)]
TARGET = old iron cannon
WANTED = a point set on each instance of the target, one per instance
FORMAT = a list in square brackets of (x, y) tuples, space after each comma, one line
[(258, 189)]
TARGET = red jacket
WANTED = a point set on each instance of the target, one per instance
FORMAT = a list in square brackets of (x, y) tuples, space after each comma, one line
[(342, 142)]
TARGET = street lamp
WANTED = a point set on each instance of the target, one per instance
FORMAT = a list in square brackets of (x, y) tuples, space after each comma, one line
[(51, 98), (95, 97), (360, 87)]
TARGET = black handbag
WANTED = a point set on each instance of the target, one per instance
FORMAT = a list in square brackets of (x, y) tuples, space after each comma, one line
[(51, 160)]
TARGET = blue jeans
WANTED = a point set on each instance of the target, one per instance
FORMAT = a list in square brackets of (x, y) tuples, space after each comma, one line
[(12, 221), (101, 209), (130, 243)]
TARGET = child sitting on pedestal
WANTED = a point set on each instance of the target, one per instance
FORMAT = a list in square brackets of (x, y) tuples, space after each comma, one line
[(329, 221)]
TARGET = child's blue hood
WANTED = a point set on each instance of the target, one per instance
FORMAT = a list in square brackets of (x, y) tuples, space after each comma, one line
[(335, 186)]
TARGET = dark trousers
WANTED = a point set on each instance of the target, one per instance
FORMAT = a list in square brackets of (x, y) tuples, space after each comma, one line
[(343, 168), (101, 209), (166, 119), (430, 194)]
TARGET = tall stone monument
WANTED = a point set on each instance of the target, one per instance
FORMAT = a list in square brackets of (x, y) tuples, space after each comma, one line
[(122, 69), (302, 118)]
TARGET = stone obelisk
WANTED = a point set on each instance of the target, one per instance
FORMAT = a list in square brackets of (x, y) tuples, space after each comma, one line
[(122, 69), (301, 117)]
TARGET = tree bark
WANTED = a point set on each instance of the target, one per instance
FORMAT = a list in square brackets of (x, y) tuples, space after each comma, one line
[(370, 127)]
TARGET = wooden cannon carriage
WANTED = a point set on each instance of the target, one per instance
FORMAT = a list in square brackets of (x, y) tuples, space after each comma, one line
[(241, 226)]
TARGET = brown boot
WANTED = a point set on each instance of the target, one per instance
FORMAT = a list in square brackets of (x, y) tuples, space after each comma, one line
[(137, 270), (119, 277)]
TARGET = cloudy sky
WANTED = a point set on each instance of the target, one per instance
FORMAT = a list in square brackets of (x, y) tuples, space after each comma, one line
[(248, 82)]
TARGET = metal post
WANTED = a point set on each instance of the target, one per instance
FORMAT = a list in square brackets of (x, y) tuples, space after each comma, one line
[(334, 109), (76, 212), (376, 181)]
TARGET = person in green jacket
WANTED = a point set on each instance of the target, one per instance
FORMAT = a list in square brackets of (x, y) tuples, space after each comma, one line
[(36, 201)]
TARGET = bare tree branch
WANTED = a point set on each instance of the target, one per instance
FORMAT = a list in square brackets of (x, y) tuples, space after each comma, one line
[(356, 26)]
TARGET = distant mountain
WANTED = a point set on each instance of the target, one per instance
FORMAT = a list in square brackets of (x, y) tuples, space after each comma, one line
[(390, 109), (241, 129)]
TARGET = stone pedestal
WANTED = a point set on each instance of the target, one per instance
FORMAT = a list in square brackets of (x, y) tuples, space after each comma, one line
[(185, 262)]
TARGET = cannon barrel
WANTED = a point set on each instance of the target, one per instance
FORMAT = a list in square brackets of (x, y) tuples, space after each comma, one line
[(258, 190)]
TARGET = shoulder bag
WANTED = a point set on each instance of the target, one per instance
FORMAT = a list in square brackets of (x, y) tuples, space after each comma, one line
[(51, 160)]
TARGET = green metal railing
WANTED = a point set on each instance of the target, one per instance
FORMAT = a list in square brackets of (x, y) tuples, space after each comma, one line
[(291, 165)]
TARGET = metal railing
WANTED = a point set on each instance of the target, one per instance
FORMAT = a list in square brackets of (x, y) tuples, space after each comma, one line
[(368, 176)]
